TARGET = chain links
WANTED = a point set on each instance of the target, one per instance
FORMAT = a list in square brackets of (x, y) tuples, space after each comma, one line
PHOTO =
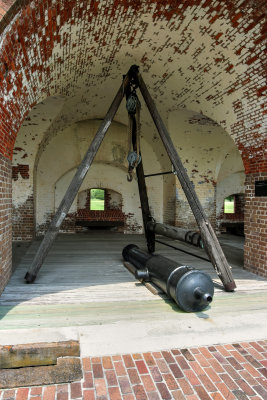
[(133, 106)]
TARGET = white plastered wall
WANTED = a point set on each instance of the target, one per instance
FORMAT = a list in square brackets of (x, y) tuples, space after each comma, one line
[(231, 178), (108, 177), (59, 160), (206, 150), (27, 143), (115, 200), (209, 155)]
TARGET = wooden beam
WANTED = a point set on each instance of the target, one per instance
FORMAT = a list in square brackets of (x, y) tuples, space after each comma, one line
[(67, 369), (150, 236), (74, 186), (33, 354), (212, 245), (146, 214)]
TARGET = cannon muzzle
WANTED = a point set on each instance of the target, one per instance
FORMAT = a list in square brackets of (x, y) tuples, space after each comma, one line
[(190, 288)]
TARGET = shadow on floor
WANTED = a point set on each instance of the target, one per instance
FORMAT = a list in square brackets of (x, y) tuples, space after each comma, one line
[(88, 268)]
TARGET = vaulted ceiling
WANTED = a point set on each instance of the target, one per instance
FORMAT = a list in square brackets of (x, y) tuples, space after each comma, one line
[(201, 55)]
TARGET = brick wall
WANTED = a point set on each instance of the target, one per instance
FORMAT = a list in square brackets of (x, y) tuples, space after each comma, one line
[(112, 212), (68, 225), (230, 218), (255, 227), (22, 201), (113, 200), (5, 222), (169, 199), (184, 215), (95, 215), (23, 220)]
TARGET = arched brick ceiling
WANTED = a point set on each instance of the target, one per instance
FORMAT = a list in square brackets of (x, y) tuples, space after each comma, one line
[(204, 55)]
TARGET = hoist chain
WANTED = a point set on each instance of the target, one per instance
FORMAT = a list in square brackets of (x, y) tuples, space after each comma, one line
[(133, 107)]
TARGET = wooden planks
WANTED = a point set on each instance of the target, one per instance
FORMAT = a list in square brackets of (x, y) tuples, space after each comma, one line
[(149, 285), (83, 281), (88, 268)]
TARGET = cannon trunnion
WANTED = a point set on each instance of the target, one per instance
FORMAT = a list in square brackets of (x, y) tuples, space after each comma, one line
[(190, 288)]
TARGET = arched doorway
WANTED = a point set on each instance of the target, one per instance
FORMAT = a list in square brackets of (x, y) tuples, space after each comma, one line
[(56, 49)]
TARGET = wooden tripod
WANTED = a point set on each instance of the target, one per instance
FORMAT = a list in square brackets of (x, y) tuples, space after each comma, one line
[(210, 240)]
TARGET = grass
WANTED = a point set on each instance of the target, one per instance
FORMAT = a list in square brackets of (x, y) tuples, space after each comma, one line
[(229, 207), (98, 205)]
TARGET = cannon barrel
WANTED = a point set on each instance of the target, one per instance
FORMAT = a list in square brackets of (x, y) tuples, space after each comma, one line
[(176, 233), (190, 288)]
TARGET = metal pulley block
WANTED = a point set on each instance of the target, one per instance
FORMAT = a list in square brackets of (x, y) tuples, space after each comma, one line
[(131, 103), (133, 159)]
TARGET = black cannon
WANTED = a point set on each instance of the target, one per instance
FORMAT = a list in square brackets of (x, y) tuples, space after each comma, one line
[(191, 289), (184, 235)]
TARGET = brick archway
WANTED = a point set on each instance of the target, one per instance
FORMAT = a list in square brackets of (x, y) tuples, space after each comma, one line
[(42, 44), (201, 55)]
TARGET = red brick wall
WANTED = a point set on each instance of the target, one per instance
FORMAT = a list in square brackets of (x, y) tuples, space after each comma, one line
[(20, 169), (109, 214), (22, 215), (23, 221), (184, 215), (255, 227), (70, 223), (95, 215), (5, 222)]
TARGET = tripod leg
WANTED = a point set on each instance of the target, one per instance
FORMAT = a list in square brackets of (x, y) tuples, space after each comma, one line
[(74, 186), (210, 240), (150, 236)]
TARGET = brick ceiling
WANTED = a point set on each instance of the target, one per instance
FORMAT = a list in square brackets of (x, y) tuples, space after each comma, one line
[(203, 55)]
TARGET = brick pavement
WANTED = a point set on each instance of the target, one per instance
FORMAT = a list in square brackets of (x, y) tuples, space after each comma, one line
[(230, 371)]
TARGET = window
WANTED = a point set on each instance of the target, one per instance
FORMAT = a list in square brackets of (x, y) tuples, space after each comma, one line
[(97, 199), (229, 205)]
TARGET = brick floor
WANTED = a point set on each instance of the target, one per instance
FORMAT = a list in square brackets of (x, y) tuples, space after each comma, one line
[(231, 371)]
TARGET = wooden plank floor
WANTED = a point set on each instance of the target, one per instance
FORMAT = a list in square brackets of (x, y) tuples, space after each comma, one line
[(89, 267), (83, 280)]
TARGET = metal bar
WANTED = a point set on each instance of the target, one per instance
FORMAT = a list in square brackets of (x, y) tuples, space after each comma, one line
[(183, 251), (159, 173), (75, 185), (210, 240)]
